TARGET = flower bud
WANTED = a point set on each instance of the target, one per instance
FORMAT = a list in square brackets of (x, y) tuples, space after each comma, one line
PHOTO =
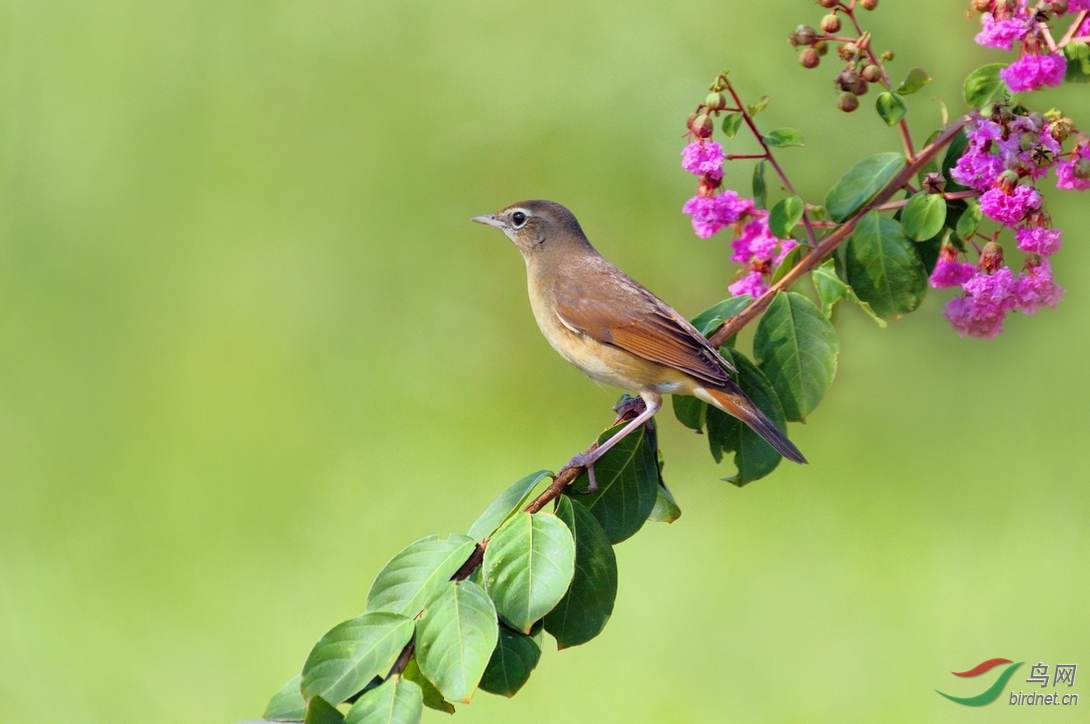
[(689, 121), (803, 35), (822, 47), (847, 79), (982, 6), (1059, 130), (847, 51), (830, 23), (991, 257), (934, 183), (1008, 180), (869, 4), (860, 87), (702, 126), (872, 73), (715, 101), (848, 102), (1081, 169), (809, 58), (887, 56), (1059, 7), (827, 3)]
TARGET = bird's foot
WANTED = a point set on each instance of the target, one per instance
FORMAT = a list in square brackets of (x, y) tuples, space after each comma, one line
[(585, 461), (629, 406)]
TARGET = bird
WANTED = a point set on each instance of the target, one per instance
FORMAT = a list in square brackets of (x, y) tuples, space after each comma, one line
[(616, 331)]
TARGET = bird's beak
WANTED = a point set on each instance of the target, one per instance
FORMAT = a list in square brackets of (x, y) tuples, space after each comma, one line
[(491, 220)]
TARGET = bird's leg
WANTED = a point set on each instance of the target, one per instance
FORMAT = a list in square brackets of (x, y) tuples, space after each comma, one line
[(652, 404)]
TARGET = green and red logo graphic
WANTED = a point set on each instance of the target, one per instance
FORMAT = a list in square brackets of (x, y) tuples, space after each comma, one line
[(992, 693)]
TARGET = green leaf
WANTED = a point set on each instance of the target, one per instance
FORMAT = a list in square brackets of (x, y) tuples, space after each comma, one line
[(753, 457), (891, 107), (831, 289), (924, 216), (731, 123), (396, 701), (513, 660), (287, 704), (528, 566), (883, 268), (984, 85), (760, 190), (320, 711), (969, 221), (1078, 63), (628, 480), (512, 500), (412, 576), (689, 411), (796, 347), (954, 151), (758, 106), (861, 184), (785, 216), (784, 138), (917, 78), (666, 509), (788, 263), (584, 610), (709, 320), (353, 653), (433, 698), (455, 637)]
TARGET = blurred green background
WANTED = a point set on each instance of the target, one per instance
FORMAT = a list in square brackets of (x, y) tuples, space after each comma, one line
[(251, 346)]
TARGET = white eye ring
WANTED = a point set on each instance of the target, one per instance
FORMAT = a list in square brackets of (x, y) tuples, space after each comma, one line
[(518, 219)]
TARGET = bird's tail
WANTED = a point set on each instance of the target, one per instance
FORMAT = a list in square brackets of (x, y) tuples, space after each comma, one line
[(730, 399)]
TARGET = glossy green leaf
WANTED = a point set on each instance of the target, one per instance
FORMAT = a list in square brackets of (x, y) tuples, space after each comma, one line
[(731, 123), (689, 411), (784, 138), (753, 457), (954, 151), (891, 107), (354, 652), (513, 660), (584, 610), (796, 347), (788, 263), (923, 216), (627, 485), (1078, 62), (455, 637), (433, 698), (417, 572), (512, 500), (709, 320), (969, 221), (861, 184), (396, 701), (785, 216), (984, 85), (287, 704), (666, 509), (320, 711), (831, 289), (883, 268), (917, 78), (528, 566), (760, 190)]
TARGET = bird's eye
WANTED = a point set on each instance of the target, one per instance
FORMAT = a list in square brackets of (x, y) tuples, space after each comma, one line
[(518, 218)]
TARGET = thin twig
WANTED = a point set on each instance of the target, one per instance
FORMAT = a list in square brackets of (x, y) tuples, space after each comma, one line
[(1070, 34)]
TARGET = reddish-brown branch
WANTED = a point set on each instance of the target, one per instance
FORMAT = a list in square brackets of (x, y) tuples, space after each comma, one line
[(829, 244)]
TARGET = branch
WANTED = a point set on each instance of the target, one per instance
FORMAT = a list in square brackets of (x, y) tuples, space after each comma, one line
[(831, 242)]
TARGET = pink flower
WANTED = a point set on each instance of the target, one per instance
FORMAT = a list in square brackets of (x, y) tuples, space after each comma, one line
[(1002, 33), (1039, 240), (977, 170), (949, 272), (1077, 6), (1009, 208), (1031, 72), (753, 284), (1036, 289), (756, 243), (786, 247), (704, 158), (989, 297), (712, 213), (1067, 172)]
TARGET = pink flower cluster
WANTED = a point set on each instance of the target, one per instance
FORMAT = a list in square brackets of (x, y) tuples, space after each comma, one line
[(1006, 22), (713, 210)]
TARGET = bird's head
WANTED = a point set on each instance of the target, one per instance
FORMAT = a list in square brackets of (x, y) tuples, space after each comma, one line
[(537, 227)]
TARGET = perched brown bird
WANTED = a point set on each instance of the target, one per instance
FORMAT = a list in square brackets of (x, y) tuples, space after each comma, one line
[(616, 331)]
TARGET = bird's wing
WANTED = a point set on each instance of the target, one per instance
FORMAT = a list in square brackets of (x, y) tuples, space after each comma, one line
[(615, 309)]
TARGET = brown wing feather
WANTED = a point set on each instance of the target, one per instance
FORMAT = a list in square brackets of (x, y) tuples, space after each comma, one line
[(611, 307)]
